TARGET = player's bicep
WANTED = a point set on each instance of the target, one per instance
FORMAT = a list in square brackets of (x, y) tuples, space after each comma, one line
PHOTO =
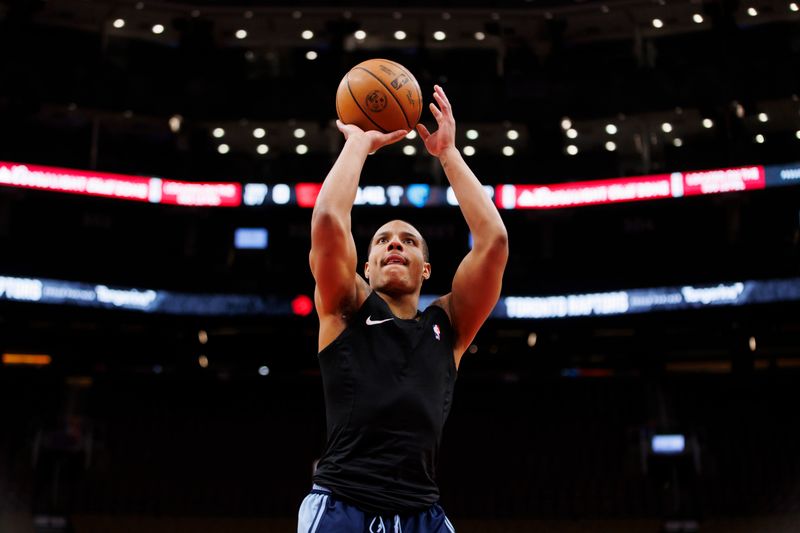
[(333, 264), (476, 289)]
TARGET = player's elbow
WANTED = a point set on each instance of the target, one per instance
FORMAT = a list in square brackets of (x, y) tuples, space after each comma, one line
[(327, 224), (501, 245), (493, 246), (497, 243)]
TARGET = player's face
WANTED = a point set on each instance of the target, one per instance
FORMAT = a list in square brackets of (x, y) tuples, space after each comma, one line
[(396, 260)]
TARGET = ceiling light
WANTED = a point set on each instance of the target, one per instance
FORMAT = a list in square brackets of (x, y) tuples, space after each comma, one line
[(512, 134), (468, 150), (666, 127), (218, 133), (399, 35), (762, 117), (301, 149), (479, 36), (753, 12), (262, 149), (658, 23), (223, 148), (572, 149), (409, 150), (566, 123), (241, 34), (307, 34), (299, 133), (439, 35), (611, 129), (259, 133), (760, 139), (175, 122), (611, 146), (311, 55), (158, 29), (572, 133), (472, 134), (119, 23), (532, 340), (708, 123), (697, 18), (360, 35), (677, 141)]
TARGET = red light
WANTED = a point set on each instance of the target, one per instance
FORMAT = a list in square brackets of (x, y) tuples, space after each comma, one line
[(307, 193), (302, 305)]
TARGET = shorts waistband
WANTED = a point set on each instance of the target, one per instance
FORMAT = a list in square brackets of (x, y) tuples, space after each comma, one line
[(319, 489)]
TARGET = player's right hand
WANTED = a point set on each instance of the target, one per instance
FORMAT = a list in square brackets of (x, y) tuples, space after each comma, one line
[(375, 138)]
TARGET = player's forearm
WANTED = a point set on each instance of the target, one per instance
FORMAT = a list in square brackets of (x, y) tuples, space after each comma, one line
[(338, 193), (480, 213)]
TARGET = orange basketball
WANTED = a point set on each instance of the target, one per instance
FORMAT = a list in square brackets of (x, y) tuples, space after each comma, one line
[(379, 94)]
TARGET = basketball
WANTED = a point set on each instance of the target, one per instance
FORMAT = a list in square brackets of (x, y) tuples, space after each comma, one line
[(379, 94)]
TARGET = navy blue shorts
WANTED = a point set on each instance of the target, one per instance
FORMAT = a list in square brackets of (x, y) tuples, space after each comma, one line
[(321, 512)]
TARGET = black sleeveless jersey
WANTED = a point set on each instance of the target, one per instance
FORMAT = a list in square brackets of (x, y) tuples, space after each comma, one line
[(388, 386)]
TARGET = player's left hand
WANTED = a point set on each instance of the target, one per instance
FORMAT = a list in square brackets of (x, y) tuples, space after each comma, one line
[(445, 136)]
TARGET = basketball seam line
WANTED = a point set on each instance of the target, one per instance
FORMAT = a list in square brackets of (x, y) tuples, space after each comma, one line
[(390, 92), (361, 108), (418, 90), (338, 114)]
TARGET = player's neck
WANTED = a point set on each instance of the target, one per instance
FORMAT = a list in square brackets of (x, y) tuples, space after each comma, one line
[(402, 305)]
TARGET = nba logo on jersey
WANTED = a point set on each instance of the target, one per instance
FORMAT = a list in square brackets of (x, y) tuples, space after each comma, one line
[(436, 331)]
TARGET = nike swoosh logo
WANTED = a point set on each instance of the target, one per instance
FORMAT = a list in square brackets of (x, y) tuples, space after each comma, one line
[(371, 322)]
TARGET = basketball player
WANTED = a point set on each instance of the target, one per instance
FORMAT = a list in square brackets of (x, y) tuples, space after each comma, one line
[(388, 370)]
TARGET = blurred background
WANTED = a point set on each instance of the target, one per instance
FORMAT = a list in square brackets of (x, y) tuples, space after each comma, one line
[(157, 164)]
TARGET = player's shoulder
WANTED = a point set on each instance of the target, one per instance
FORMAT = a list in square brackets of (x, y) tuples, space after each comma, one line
[(349, 306), (443, 303)]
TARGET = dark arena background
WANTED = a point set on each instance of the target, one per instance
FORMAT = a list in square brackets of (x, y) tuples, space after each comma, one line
[(158, 162)]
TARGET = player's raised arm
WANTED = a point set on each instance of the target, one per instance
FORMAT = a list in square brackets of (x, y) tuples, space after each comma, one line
[(333, 252), (477, 282)]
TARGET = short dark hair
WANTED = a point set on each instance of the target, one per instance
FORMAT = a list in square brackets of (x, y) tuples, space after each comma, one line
[(425, 251)]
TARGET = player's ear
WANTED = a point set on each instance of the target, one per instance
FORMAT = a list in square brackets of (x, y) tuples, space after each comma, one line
[(426, 271), (366, 270)]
